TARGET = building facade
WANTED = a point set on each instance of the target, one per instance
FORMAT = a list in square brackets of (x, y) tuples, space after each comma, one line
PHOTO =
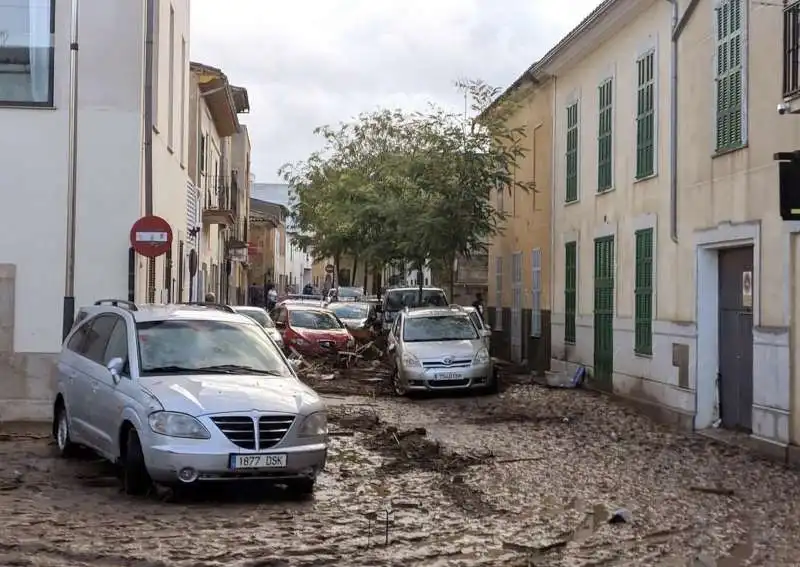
[(34, 95), (519, 263)]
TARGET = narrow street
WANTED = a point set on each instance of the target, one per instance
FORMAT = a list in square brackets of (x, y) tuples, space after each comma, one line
[(529, 477)]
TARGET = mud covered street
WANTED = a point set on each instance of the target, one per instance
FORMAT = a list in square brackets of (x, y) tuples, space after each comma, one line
[(529, 477)]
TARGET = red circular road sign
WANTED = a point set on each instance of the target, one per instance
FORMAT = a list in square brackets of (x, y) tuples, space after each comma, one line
[(151, 236)]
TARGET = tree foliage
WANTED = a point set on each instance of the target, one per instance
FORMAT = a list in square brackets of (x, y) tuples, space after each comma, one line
[(411, 187)]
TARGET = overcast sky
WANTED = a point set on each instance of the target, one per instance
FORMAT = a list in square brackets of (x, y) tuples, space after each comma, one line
[(312, 62)]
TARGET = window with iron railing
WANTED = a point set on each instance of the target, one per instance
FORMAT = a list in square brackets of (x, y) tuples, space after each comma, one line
[(791, 48)]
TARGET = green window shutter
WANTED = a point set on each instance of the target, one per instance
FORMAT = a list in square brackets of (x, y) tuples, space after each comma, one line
[(645, 115), (605, 94), (729, 125), (570, 290), (572, 153), (643, 293)]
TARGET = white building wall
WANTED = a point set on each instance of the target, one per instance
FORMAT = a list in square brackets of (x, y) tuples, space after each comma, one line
[(629, 205), (109, 196)]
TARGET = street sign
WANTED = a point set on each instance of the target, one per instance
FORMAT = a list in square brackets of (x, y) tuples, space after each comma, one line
[(151, 236), (330, 268)]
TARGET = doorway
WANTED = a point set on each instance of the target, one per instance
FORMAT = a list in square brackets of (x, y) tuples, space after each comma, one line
[(604, 268), (735, 338)]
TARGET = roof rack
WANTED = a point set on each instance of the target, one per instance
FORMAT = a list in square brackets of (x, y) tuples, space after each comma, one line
[(125, 304), (219, 306)]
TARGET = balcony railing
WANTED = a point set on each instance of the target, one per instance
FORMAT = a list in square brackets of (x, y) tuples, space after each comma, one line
[(791, 49)]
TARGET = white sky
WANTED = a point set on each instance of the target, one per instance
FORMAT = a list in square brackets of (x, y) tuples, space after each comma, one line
[(312, 62)]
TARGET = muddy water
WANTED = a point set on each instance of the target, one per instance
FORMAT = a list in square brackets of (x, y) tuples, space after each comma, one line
[(531, 476)]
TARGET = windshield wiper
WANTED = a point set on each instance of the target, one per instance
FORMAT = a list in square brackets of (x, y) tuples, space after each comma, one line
[(238, 369), (168, 369)]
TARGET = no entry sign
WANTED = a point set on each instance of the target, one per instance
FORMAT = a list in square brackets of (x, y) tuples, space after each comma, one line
[(151, 236)]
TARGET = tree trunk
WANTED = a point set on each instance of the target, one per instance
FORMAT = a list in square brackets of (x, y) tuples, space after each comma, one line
[(452, 272), (420, 282), (366, 276), (336, 261), (355, 270)]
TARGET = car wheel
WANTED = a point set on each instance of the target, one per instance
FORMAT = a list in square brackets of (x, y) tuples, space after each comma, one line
[(397, 386), (301, 487), (66, 448), (135, 479)]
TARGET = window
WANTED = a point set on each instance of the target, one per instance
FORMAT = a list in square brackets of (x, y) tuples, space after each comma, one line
[(117, 343), (184, 67), (605, 125), (97, 337), (318, 320), (26, 52), (201, 151), (645, 115), (156, 58), (501, 199), (643, 293), (730, 80), (570, 290), (536, 292), (77, 342), (572, 153), (791, 49), (171, 82), (498, 293)]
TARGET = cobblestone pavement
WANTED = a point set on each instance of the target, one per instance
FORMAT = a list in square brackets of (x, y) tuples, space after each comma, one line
[(528, 477)]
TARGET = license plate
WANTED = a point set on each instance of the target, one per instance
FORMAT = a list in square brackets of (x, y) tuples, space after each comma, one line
[(271, 461), (448, 376)]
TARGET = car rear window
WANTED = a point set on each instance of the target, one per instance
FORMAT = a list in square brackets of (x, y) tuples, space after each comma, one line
[(397, 300)]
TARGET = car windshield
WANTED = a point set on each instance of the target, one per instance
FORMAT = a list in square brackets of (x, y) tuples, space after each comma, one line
[(441, 328), (308, 319), (396, 300), (259, 316), (349, 292), (198, 346), (350, 310)]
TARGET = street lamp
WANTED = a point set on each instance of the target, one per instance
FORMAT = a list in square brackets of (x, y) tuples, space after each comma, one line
[(72, 166)]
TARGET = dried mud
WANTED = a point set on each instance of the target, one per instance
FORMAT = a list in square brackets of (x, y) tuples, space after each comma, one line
[(528, 477)]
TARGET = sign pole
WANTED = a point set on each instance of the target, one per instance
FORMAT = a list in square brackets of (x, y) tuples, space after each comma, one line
[(68, 314)]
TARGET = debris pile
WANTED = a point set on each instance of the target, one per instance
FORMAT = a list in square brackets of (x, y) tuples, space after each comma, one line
[(360, 372)]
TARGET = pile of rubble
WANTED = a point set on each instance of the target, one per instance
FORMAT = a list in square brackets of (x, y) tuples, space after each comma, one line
[(359, 372)]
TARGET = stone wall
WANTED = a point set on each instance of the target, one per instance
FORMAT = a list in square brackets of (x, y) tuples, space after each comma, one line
[(28, 379)]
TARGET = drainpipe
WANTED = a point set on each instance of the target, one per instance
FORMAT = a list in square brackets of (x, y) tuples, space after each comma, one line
[(553, 191), (673, 127), (150, 17)]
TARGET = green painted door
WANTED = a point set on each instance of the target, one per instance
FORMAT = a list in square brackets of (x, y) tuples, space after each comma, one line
[(604, 311)]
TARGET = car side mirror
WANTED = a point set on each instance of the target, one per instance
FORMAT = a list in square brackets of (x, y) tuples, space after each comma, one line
[(115, 366)]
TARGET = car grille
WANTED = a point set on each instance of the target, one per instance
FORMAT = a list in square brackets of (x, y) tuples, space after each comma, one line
[(460, 362), (241, 430)]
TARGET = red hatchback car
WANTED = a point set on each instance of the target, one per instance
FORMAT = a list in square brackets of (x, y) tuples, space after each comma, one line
[(311, 330)]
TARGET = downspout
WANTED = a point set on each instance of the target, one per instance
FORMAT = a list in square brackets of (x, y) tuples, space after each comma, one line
[(148, 106), (553, 185), (673, 126)]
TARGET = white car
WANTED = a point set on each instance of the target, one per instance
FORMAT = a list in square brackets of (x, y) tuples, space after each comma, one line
[(179, 394), (260, 316)]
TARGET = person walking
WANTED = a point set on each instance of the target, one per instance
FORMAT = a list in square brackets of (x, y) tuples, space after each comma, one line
[(210, 297), (478, 304)]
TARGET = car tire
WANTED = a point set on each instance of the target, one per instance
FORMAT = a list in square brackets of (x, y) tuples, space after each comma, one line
[(301, 487), (397, 388), (66, 448), (135, 478)]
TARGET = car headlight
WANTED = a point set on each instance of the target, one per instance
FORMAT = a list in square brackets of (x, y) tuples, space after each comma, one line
[(482, 356), (173, 424), (411, 361), (314, 425)]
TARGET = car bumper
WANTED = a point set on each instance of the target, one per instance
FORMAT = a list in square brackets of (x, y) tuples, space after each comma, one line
[(164, 463), (475, 376)]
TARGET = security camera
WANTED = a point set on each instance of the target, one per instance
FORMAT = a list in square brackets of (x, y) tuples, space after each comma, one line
[(784, 108)]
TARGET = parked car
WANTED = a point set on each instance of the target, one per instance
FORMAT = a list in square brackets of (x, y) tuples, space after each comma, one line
[(181, 394), (260, 316), (311, 330), (480, 324), (358, 317), (397, 299), (438, 349), (344, 294)]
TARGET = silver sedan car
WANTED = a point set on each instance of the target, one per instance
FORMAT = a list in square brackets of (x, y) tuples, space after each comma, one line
[(439, 349), (180, 394)]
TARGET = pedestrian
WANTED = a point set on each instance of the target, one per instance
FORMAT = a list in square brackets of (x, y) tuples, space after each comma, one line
[(308, 289), (478, 304), (252, 295), (210, 297)]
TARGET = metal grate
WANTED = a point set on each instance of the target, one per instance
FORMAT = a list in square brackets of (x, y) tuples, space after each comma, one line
[(273, 428), (791, 49), (239, 429)]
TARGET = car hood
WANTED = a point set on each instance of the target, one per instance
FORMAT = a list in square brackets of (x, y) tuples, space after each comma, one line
[(354, 323), (438, 350), (205, 394)]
